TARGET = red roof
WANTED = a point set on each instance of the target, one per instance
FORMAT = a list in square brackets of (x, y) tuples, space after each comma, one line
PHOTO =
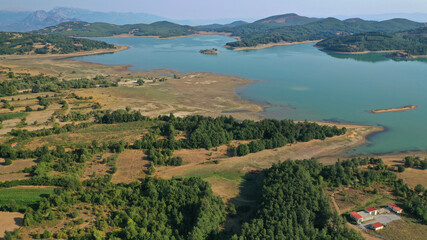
[(371, 209), (356, 215), (394, 206), (377, 225), (14, 144)]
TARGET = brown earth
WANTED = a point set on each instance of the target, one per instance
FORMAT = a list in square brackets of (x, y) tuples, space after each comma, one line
[(16, 166), (9, 221), (131, 166)]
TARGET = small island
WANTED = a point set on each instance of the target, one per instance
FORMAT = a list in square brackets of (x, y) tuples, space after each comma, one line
[(404, 108), (212, 51)]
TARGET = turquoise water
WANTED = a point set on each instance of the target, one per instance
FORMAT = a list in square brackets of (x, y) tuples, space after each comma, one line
[(301, 82)]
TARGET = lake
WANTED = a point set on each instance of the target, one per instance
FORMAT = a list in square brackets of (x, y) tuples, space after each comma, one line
[(301, 82)]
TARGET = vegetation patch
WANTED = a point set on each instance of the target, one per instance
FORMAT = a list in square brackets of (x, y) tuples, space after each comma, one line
[(24, 195)]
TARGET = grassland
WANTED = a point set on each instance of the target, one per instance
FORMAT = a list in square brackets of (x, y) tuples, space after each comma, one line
[(24, 195)]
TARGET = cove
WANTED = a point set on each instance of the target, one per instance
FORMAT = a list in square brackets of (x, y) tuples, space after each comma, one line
[(301, 82)]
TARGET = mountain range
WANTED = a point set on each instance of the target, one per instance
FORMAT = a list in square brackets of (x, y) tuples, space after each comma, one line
[(29, 21)]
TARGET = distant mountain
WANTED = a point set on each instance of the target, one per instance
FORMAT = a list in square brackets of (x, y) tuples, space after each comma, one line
[(413, 42), (322, 29), (216, 26), (108, 17), (29, 21), (40, 19), (161, 29)]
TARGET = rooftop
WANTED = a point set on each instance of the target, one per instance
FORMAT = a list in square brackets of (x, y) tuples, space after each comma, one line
[(371, 209), (377, 225), (356, 215), (394, 206)]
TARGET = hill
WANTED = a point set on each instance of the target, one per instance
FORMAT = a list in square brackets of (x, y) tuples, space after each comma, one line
[(161, 29), (321, 29), (247, 30), (217, 26), (412, 42), (27, 43), (289, 19)]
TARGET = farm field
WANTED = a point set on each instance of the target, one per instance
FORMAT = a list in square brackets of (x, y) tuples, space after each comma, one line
[(24, 195)]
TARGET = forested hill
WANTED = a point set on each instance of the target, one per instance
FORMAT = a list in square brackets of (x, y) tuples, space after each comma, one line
[(412, 42), (161, 29), (322, 29), (27, 43), (246, 30)]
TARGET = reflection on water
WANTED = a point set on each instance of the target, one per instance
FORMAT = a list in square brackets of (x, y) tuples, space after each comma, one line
[(372, 57)]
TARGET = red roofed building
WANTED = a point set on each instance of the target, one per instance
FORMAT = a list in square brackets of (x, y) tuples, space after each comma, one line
[(372, 211), (357, 217), (395, 208), (14, 144), (377, 226)]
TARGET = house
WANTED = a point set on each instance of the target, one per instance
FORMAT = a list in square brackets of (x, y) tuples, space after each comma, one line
[(377, 226), (14, 144), (394, 208), (371, 211), (357, 217)]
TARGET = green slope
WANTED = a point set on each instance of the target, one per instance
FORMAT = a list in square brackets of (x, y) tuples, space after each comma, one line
[(322, 29), (161, 29), (412, 42), (28, 43)]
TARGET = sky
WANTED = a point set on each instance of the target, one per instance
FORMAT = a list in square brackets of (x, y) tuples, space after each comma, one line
[(215, 9)]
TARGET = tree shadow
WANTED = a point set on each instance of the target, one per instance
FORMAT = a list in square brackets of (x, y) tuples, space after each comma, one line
[(243, 208)]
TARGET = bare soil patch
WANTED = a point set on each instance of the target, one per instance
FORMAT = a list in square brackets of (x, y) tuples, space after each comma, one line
[(13, 176), (9, 221), (131, 166), (95, 166), (16, 166)]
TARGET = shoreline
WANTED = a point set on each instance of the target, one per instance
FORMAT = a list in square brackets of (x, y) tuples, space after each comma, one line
[(269, 45), (201, 33), (118, 48), (383, 51), (241, 111)]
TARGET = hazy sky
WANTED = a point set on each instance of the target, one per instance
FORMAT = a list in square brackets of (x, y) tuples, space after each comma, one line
[(214, 9)]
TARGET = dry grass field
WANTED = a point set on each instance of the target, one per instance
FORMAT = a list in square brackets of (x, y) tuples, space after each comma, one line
[(9, 221), (16, 166), (131, 166)]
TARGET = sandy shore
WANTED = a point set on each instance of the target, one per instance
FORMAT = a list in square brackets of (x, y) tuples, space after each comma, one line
[(269, 45), (404, 108), (201, 33), (385, 51)]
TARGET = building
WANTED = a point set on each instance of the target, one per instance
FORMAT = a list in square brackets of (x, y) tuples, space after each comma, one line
[(394, 208), (14, 144), (371, 211), (357, 217), (377, 226)]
